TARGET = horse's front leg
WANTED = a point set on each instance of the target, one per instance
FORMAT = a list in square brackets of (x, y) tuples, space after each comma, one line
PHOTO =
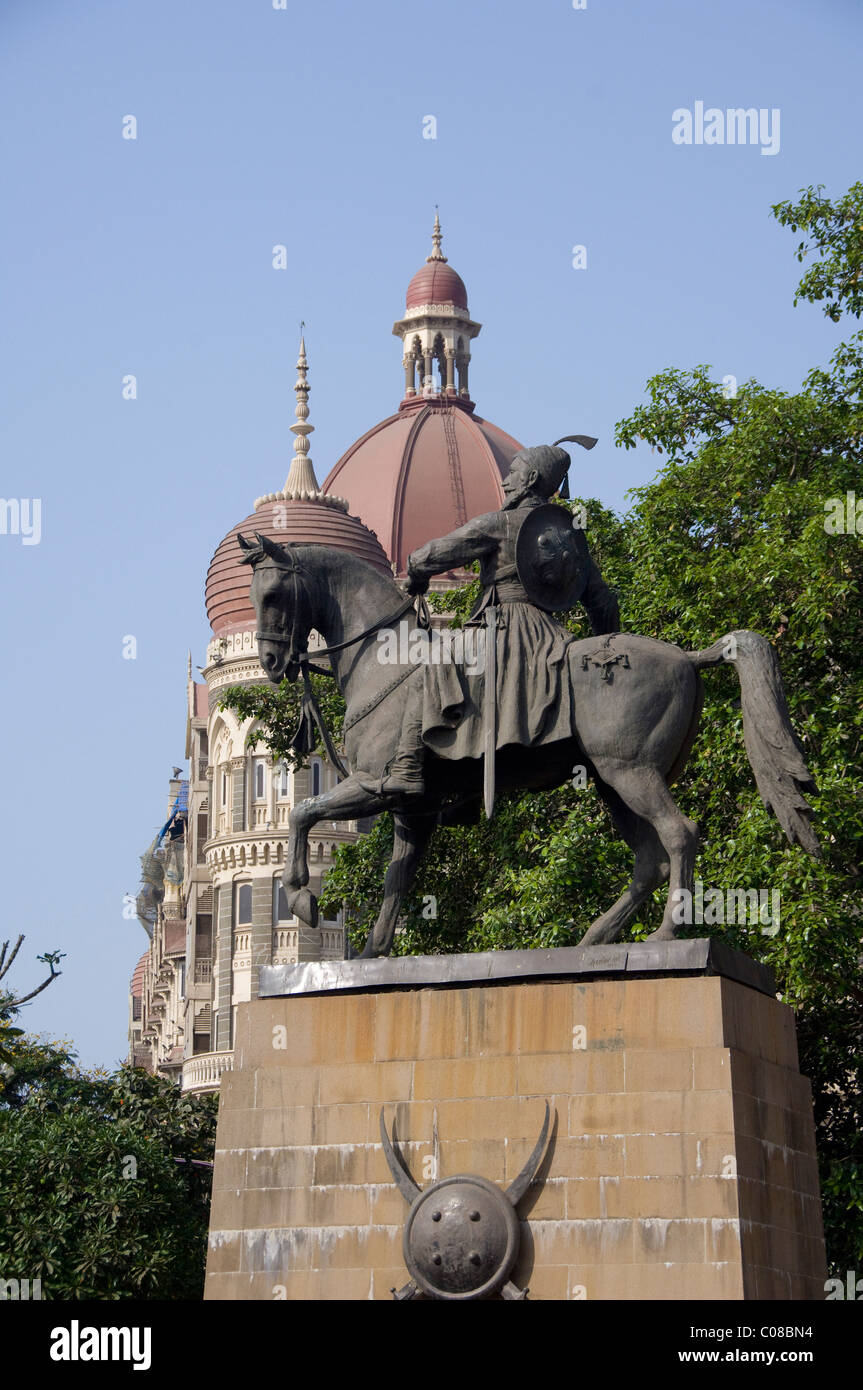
[(295, 877), (347, 801)]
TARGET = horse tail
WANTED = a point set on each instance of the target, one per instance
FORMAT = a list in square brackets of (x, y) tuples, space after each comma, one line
[(774, 750)]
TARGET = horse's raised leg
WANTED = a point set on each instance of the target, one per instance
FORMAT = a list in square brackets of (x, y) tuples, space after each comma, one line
[(644, 791), (650, 870), (412, 834), (347, 801)]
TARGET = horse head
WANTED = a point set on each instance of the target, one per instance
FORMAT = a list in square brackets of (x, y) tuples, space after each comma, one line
[(283, 605)]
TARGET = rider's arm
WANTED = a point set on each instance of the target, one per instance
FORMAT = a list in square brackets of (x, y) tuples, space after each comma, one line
[(601, 603), (470, 542)]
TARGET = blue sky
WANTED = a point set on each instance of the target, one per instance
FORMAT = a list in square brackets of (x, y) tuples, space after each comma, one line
[(303, 127)]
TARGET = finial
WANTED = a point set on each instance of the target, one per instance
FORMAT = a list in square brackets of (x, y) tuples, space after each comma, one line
[(301, 484), (302, 475), (437, 254)]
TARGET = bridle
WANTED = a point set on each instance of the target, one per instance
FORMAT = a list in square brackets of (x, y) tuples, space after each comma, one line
[(294, 569), (302, 658), (303, 739)]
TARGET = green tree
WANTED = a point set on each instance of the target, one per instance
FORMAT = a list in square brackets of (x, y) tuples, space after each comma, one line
[(104, 1177), (833, 233), (10, 1003), (276, 714)]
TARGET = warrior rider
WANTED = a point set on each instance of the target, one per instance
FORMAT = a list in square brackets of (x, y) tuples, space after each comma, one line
[(534, 685)]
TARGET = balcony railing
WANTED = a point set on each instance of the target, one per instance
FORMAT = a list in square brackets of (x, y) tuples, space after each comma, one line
[(202, 1073)]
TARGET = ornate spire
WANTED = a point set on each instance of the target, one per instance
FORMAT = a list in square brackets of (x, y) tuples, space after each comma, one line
[(437, 234), (302, 475), (301, 484)]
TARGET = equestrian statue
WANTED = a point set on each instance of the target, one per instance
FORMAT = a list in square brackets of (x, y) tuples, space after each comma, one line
[(432, 740)]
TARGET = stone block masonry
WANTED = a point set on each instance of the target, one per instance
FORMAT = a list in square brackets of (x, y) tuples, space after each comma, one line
[(681, 1163)]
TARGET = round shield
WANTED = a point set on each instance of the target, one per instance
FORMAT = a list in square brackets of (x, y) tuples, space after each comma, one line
[(461, 1239), (552, 558)]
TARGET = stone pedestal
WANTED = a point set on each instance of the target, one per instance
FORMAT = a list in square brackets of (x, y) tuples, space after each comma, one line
[(681, 1165)]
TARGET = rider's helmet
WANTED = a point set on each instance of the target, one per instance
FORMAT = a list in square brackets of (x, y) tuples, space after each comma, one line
[(552, 465)]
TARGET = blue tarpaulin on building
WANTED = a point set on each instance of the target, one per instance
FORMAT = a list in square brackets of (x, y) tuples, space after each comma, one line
[(176, 822)]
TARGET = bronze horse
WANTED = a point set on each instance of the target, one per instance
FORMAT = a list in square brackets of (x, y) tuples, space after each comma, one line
[(637, 710)]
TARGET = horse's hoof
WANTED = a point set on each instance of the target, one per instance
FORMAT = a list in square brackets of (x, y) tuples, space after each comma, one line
[(662, 934), (304, 905)]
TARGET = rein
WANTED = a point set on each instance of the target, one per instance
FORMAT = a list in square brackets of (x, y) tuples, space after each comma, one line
[(303, 739), (303, 657)]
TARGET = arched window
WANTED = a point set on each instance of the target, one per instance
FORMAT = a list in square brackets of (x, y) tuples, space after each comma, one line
[(244, 904), (224, 790), (281, 911), (439, 355), (260, 780), (283, 789)]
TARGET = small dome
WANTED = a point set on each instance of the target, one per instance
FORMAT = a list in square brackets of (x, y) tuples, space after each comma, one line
[(136, 988), (229, 607), (436, 283)]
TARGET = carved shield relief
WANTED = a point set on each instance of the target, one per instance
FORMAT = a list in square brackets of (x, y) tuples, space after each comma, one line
[(552, 558)]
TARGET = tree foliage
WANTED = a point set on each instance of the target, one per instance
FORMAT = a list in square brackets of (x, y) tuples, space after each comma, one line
[(276, 713), (11, 1003), (834, 232), (104, 1177)]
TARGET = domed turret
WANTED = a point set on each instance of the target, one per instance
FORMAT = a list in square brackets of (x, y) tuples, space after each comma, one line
[(435, 464)]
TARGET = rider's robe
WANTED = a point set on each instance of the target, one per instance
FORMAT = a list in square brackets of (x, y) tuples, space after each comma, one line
[(535, 697)]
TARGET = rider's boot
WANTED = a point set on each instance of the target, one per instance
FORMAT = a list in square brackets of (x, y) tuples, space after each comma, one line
[(406, 770)]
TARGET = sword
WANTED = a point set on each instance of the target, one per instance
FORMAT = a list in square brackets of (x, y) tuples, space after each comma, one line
[(489, 708)]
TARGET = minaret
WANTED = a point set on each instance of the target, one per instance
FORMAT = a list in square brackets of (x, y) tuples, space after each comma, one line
[(301, 478), (436, 332), (301, 484)]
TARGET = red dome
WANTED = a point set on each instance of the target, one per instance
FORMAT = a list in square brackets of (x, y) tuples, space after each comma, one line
[(423, 472), (229, 608), (436, 283), (136, 988)]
